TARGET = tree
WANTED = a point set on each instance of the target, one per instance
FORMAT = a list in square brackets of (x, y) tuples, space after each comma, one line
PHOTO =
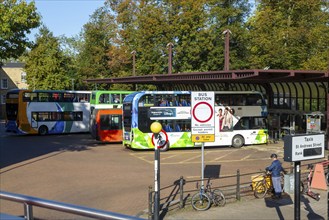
[(71, 47), (151, 35), (228, 15), (93, 58), (194, 27), (290, 34), (46, 64), (16, 21), (125, 41)]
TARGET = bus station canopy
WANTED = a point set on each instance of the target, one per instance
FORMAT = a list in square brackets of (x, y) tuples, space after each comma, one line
[(231, 76)]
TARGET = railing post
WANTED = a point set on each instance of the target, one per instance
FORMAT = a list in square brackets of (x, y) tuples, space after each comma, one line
[(238, 185), (181, 190), (150, 212), (28, 211)]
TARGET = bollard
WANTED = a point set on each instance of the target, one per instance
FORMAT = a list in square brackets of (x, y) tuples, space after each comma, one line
[(181, 191), (238, 196)]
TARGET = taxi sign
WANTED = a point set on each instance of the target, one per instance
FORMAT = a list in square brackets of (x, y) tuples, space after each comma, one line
[(303, 147)]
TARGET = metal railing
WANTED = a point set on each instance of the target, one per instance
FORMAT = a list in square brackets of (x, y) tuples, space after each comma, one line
[(29, 202), (234, 188)]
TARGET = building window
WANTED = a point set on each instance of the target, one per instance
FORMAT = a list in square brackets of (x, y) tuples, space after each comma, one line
[(4, 84), (3, 99), (23, 77)]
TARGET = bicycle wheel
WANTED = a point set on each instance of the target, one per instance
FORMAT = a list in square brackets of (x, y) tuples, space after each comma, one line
[(200, 201), (260, 190), (219, 198)]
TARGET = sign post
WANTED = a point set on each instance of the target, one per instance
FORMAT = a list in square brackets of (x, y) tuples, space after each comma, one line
[(156, 127), (203, 121), (299, 148)]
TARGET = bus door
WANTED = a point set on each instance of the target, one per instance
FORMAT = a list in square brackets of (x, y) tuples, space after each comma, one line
[(34, 121), (258, 126), (109, 125)]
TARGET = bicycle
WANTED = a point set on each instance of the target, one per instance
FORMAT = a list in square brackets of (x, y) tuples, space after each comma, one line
[(265, 185), (203, 199)]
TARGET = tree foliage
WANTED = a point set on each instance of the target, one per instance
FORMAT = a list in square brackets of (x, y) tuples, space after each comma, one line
[(193, 27), (93, 59), (17, 18), (283, 34), (46, 64), (290, 34)]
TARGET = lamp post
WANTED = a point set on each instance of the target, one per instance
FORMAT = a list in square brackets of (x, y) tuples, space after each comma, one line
[(169, 46), (72, 81), (134, 61), (227, 33), (156, 127)]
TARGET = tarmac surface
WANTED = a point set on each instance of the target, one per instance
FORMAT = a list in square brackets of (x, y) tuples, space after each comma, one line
[(49, 176), (266, 208)]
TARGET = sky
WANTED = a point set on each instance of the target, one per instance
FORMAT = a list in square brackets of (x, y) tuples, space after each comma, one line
[(65, 17)]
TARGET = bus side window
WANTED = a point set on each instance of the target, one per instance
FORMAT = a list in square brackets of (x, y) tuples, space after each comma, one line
[(177, 128), (35, 116), (168, 128)]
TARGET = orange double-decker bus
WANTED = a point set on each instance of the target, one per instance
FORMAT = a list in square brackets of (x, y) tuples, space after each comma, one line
[(109, 125)]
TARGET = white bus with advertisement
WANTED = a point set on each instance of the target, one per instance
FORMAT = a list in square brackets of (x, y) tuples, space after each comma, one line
[(240, 118)]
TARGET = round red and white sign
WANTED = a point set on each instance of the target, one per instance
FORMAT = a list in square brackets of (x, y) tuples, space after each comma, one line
[(202, 112), (162, 139)]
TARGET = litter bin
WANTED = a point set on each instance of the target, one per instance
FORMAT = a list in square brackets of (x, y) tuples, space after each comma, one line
[(289, 183)]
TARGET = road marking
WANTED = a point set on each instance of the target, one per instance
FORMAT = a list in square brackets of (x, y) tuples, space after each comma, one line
[(142, 158), (172, 156), (218, 158), (193, 157), (246, 157)]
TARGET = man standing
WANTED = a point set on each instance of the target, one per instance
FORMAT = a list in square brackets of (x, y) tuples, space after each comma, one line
[(275, 168)]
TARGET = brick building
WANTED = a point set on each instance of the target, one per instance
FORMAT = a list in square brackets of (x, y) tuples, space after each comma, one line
[(12, 76)]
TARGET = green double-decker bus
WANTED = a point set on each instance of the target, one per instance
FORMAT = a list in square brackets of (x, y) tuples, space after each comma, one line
[(106, 115)]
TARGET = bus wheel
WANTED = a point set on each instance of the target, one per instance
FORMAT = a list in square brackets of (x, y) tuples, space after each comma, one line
[(43, 130), (237, 141)]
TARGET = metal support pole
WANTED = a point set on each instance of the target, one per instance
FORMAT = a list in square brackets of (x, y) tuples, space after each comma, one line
[(227, 50), (156, 183), (72, 82), (150, 212), (238, 185), (134, 62), (328, 205), (202, 165), (169, 46), (28, 211), (297, 190), (181, 192)]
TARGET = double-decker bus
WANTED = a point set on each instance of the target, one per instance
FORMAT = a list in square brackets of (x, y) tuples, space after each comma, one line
[(108, 123), (47, 111), (106, 115), (240, 118)]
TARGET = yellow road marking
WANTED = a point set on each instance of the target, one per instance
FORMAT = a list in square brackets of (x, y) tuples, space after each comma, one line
[(165, 158), (218, 158)]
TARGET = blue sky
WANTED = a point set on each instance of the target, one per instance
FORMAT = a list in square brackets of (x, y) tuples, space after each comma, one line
[(65, 17)]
